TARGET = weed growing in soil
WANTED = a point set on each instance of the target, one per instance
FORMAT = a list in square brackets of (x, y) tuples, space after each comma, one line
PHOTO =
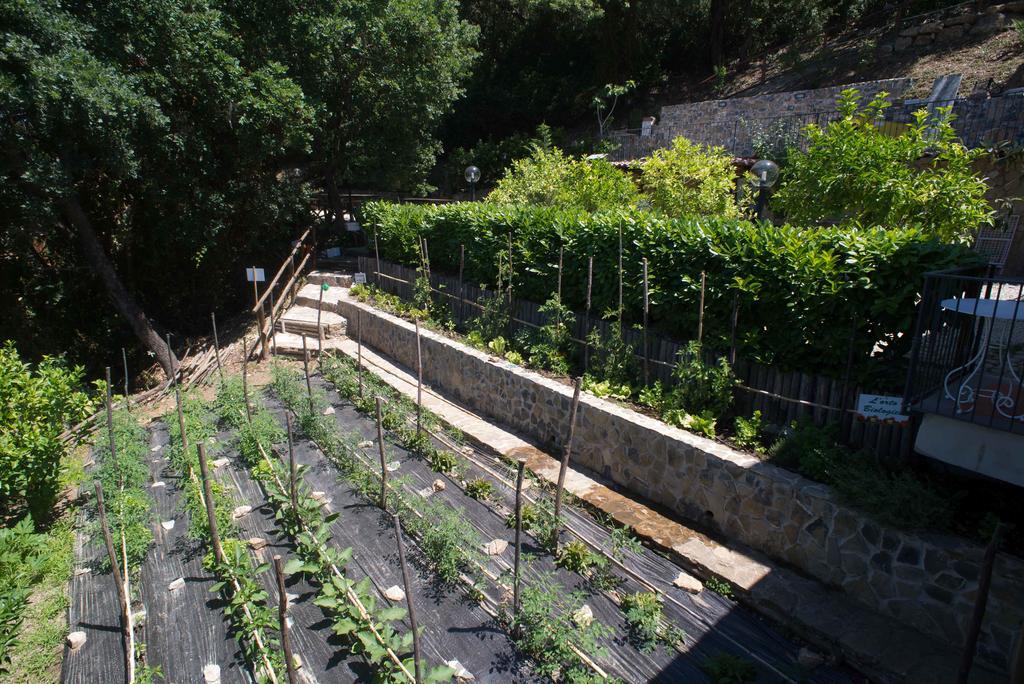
[(748, 431), (726, 668), (644, 615), (480, 489), (720, 586)]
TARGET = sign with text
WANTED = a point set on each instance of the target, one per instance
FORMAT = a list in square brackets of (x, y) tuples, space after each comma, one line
[(881, 407), (332, 252), (359, 278), (255, 275)]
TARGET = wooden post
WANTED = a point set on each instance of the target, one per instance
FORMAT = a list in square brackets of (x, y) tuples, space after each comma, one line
[(273, 331), (733, 323), (124, 360), (620, 277), (211, 512), (974, 627), (181, 413), (586, 336), (561, 249), (510, 271), (567, 452), (282, 619), (520, 466), (462, 291), (110, 420), (292, 486), (291, 276), (320, 330), (359, 349), (115, 569), (700, 313), (376, 251), (245, 381), (216, 345), (261, 319), (409, 600), (383, 459), (419, 381), (305, 368), (647, 356)]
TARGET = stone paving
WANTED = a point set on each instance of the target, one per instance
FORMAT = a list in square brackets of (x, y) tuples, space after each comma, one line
[(879, 646)]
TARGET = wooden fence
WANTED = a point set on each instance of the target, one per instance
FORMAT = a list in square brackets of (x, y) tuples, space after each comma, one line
[(781, 396)]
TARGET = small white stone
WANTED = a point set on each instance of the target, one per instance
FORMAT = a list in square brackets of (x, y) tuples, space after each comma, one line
[(468, 450), (257, 543), (139, 618), (495, 547), (319, 496), (220, 463), (583, 617), (76, 639), (296, 661), (158, 447), (809, 659), (426, 492), (289, 621), (211, 674), (176, 584), (240, 511), (158, 484), (438, 485), (167, 525), (212, 440), (461, 673), (365, 444), (82, 571), (292, 598), (393, 466), (394, 594), (329, 411), (688, 583)]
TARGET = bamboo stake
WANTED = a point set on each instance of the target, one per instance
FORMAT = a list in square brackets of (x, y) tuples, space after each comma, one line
[(566, 453), (647, 356), (700, 314), (177, 402), (211, 513), (245, 381), (376, 251), (462, 291), (292, 491), (320, 330), (419, 381), (520, 466), (586, 337), (560, 255), (110, 423), (282, 619), (510, 271), (124, 359), (383, 459), (409, 600), (130, 628), (974, 627), (216, 346), (115, 569), (273, 331), (359, 349), (620, 277), (305, 368), (733, 324)]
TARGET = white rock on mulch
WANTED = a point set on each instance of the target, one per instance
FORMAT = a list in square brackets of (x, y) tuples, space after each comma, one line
[(393, 466), (583, 617), (158, 447), (139, 618), (158, 484), (220, 463), (176, 584), (495, 547), (329, 411), (240, 512), (257, 543), (365, 444), (461, 673), (395, 594), (296, 661), (438, 485), (292, 598), (82, 571), (167, 525), (688, 583), (809, 659), (76, 639), (211, 674), (426, 492)]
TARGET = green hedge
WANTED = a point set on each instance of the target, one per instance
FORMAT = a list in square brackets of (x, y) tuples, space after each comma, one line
[(802, 291)]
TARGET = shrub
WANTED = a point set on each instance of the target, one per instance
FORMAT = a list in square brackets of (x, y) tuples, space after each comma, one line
[(748, 431), (480, 489), (726, 668), (35, 407), (690, 179), (856, 172), (22, 560), (701, 387), (549, 177), (799, 289)]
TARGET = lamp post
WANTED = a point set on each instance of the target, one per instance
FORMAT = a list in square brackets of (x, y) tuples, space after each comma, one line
[(472, 176), (766, 172)]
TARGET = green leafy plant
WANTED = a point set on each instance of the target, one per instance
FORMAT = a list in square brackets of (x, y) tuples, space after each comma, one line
[(553, 345), (726, 668), (748, 431), (577, 557), (480, 489), (702, 387), (719, 586), (443, 461), (23, 556), (645, 617), (1018, 26), (690, 179)]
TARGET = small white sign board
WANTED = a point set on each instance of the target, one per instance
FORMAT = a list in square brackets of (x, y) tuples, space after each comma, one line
[(332, 252), (255, 274), (359, 278), (881, 407), (352, 226)]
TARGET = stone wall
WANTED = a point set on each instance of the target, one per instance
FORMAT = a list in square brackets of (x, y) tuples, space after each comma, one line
[(938, 28), (929, 582)]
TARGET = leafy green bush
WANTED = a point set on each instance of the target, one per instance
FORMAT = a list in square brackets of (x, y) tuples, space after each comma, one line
[(22, 560), (550, 177), (799, 289), (726, 668), (856, 172), (690, 179), (35, 407), (748, 431), (701, 387)]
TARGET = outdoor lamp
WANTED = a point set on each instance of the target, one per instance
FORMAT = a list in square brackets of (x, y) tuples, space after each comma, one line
[(766, 172), (472, 176)]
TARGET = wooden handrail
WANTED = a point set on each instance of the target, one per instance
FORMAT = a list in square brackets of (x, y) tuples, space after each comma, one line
[(273, 283)]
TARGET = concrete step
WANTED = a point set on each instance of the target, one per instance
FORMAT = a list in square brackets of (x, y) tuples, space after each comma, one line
[(309, 295), (332, 278), (290, 344), (303, 319)]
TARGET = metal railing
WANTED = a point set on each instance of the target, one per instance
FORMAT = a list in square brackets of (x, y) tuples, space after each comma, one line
[(967, 359)]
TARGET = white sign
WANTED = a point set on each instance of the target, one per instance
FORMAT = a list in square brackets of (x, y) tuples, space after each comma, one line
[(352, 226), (881, 407), (332, 252), (359, 278), (259, 275)]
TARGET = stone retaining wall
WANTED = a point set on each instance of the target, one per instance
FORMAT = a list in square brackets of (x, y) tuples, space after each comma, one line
[(929, 582)]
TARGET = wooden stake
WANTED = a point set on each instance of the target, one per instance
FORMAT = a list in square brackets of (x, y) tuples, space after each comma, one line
[(462, 290), (292, 487), (419, 381), (211, 512), (273, 330), (320, 332), (383, 459), (359, 349), (282, 619), (567, 452), (376, 251), (216, 345), (177, 402), (510, 271), (974, 627), (561, 249), (110, 420), (520, 466), (733, 324), (409, 601), (305, 368), (115, 569), (700, 314), (586, 337), (620, 277), (124, 359), (261, 321), (245, 381), (647, 356)]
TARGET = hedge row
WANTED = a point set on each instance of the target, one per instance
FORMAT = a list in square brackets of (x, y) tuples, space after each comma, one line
[(802, 292)]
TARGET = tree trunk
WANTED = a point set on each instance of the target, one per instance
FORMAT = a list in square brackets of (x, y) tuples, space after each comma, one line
[(125, 304), (334, 199), (716, 31)]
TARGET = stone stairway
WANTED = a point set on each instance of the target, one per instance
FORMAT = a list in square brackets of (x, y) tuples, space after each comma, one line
[(299, 322)]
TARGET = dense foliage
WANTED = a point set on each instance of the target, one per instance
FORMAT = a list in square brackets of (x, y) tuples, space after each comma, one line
[(856, 172), (689, 179), (36, 405), (802, 292), (22, 561)]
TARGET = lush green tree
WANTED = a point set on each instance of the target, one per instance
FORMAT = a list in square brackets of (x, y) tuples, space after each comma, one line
[(856, 171), (550, 177), (690, 179)]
